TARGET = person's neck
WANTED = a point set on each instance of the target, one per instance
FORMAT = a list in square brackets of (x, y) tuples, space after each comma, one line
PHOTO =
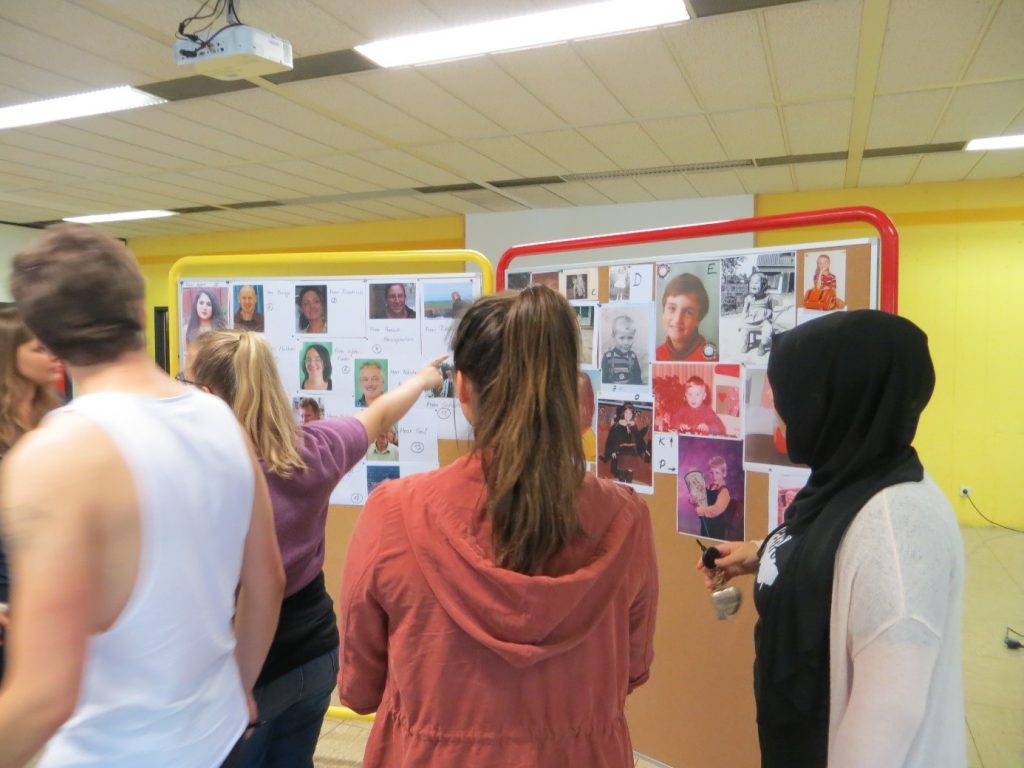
[(130, 372), (247, 315), (397, 315)]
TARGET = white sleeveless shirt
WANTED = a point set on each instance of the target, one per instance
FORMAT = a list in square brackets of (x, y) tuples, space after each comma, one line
[(161, 687)]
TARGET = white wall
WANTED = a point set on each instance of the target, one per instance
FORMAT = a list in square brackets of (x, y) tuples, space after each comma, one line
[(494, 233), (12, 240)]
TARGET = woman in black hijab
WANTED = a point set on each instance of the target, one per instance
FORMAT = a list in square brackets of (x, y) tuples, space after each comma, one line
[(866, 572)]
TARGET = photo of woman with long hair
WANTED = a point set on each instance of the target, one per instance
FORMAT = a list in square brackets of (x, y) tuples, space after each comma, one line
[(316, 367), (205, 313)]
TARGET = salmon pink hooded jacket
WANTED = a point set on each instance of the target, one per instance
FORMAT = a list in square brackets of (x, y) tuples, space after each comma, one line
[(471, 665)]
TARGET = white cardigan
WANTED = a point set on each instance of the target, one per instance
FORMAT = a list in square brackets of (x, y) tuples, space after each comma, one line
[(896, 687)]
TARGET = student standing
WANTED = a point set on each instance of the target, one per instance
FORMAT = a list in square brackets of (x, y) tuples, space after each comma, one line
[(498, 611)]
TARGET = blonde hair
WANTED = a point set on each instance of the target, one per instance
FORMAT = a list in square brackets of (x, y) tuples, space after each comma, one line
[(239, 367), (15, 389), (519, 351)]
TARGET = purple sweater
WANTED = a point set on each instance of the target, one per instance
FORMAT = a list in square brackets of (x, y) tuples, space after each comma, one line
[(330, 448)]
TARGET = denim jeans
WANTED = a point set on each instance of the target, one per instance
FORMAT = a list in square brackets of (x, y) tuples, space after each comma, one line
[(291, 710)]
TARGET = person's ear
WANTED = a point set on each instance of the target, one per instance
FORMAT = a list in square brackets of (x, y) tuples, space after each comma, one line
[(463, 387)]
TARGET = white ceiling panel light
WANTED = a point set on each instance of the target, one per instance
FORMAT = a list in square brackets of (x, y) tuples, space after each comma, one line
[(528, 31), (100, 218), (996, 142), (99, 102)]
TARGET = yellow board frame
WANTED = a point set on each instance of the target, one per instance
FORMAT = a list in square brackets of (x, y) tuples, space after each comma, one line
[(339, 264)]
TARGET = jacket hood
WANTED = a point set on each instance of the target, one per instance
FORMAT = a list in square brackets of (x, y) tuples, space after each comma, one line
[(523, 618)]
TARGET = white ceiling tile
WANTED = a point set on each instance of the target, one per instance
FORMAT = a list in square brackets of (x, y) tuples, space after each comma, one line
[(299, 120), (179, 151), (342, 94), (87, 136), (981, 110), (93, 163), (35, 81), (668, 186), (490, 201), (927, 41), (372, 174), (887, 171), (310, 175), (821, 127), (455, 204), (622, 190), (724, 59), (945, 166), (466, 162), (541, 197), (812, 176), (687, 140), (564, 83), (424, 173), (210, 186), (512, 152), (769, 180), (999, 165), (373, 21), (495, 94), (218, 112), (628, 145), (1000, 53), (625, 64), (379, 209), (814, 49), (752, 133), (275, 183), (409, 91), (716, 183), (579, 193), (341, 213), (570, 149), (890, 126), (415, 205)]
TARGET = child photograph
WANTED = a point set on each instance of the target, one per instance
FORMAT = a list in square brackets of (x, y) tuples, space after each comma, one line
[(824, 283), (700, 399), (624, 344), (758, 303), (711, 486), (624, 442), (687, 300)]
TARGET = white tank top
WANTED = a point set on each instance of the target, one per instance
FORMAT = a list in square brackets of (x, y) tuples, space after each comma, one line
[(161, 686)]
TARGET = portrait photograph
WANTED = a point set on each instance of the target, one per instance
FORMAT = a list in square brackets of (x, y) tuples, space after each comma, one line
[(687, 305), (384, 447), (204, 308), (624, 434), (711, 489), (758, 303), (308, 409), (586, 320), (516, 281), (371, 380), (624, 349), (550, 279), (248, 307), (699, 399), (315, 368), (824, 283), (311, 308), (393, 301)]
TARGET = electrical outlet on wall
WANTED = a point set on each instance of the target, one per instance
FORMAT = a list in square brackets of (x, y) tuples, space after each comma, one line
[(965, 491)]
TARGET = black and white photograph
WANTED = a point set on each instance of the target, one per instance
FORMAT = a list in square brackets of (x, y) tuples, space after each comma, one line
[(758, 303)]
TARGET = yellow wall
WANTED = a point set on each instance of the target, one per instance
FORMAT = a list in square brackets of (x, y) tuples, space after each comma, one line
[(158, 254), (961, 279)]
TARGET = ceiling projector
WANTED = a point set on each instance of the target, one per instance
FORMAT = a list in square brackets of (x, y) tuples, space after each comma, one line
[(234, 53)]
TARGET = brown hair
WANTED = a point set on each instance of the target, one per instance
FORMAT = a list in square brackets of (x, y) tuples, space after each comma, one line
[(15, 389), (691, 284), (81, 292), (519, 352), (239, 367)]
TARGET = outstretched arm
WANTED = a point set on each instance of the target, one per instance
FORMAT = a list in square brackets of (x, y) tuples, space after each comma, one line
[(390, 407)]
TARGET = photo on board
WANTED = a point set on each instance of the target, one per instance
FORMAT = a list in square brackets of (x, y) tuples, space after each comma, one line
[(711, 489), (624, 442), (207, 309), (625, 353), (384, 447), (586, 319), (447, 299), (764, 440), (516, 281), (311, 303), (588, 383), (783, 486), (371, 380), (315, 370), (687, 302), (375, 475), (248, 303), (701, 399), (758, 303), (308, 409), (824, 283), (393, 301), (578, 284)]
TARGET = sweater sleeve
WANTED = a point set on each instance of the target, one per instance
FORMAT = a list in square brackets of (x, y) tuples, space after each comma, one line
[(340, 442), (898, 563), (644, 606), (363, 623)]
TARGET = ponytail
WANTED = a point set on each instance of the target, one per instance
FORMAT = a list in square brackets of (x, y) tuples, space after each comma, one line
[(520, 351), (239, 367)]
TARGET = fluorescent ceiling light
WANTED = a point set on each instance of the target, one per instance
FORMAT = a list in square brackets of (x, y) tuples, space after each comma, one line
[(592, 20), (123, 216), (996, 142), (79, 105)]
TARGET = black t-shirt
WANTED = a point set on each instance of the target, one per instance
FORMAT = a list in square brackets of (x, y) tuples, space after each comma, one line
[(306, 629)]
